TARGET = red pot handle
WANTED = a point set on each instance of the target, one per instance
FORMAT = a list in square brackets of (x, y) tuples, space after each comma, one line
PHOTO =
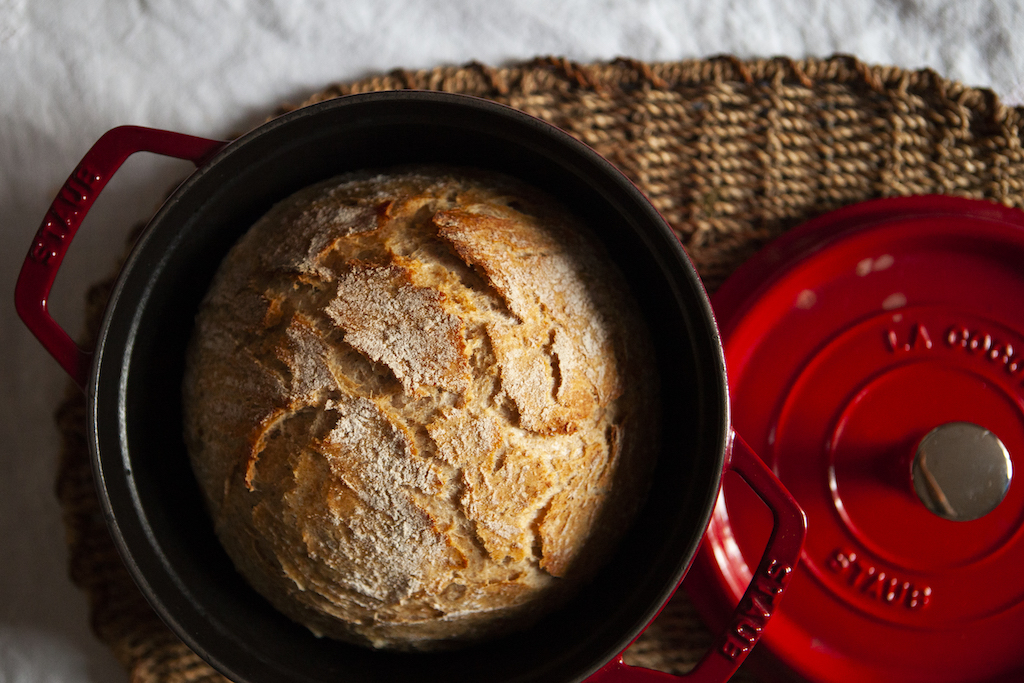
[(66, 214), (762, 596)]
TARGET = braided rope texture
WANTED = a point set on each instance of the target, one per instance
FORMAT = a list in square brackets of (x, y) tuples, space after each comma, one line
[(732, 153)]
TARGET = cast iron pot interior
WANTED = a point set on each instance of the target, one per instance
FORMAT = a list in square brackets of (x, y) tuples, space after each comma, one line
[(153, 503)]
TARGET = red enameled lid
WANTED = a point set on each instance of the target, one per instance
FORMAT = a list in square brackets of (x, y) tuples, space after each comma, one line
[(876, 364)]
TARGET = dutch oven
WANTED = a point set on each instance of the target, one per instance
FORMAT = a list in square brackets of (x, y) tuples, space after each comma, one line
[(133, 376)]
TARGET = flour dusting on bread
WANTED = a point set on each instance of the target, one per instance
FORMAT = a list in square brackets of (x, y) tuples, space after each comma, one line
[(420, 405)]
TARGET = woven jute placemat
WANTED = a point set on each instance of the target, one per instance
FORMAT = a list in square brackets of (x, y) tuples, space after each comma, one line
[(732, 152)]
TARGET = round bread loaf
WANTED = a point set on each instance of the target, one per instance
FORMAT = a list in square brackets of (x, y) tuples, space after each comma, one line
[(419, 405)]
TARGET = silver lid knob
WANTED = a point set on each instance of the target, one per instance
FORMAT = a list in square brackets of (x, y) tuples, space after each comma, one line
[(961, 471)]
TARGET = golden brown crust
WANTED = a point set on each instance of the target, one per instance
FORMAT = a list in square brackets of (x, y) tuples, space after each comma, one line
[(406, 402)]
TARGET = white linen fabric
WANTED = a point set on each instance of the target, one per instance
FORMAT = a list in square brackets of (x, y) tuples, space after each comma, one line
[(71, 70)]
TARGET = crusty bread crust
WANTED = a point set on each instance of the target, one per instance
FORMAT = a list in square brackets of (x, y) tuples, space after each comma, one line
[(420, 406)]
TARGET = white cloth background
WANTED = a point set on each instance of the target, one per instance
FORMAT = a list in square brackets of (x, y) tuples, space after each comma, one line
[(71, 70)]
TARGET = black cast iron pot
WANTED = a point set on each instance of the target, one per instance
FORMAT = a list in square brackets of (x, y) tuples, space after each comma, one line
[(132, 380)]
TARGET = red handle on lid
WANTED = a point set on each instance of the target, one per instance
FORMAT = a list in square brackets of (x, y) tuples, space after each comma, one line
[(66, 214), (762, 596)]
